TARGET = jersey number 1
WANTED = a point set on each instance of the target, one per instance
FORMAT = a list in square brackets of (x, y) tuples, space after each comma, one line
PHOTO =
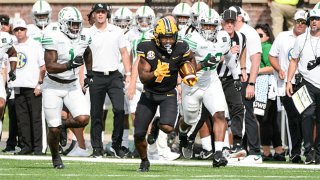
[(71, 52)]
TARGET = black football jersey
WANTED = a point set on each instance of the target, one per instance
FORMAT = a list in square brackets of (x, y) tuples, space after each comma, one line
[(152, 53)]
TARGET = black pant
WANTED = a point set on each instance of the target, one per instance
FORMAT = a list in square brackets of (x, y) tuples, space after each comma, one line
[(29, 116), (236, 109), (270, 131), (147, 107), (252, 131), (310, 117), (12, 140), (295, 127), (113, 85)]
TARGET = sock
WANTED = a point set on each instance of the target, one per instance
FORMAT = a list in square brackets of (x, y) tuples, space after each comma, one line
[(102, 136), (125, 138), (206, 143), (218, 145)]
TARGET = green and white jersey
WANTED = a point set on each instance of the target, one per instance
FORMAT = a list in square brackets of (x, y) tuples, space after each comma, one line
[(135, 37), (37, 34), (67, 49), (204, 50), (6, 43)]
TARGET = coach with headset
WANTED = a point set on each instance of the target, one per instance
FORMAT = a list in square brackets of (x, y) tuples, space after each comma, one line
[(107, 45), (306, 57)]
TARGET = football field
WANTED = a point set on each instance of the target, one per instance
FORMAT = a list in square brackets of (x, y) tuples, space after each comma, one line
[(40, 167)]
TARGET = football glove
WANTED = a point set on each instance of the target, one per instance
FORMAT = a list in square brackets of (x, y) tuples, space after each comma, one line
[(88, 81), (75, 62), (208, 63), (12, 76), (237, 84), (313, 63), (162, 70), (190, 81)]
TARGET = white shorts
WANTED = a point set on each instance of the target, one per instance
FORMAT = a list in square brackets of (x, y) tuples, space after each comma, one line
[(213, 98), (55, 94)]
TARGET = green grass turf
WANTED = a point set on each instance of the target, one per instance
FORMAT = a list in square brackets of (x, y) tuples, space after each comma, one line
[(42, 169)]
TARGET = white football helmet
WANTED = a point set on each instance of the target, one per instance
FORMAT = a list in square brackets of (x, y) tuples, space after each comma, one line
[(41, 13), (123, 18), (70, 21), (210, 17), (197, 9), (145, 18), (182, 12)]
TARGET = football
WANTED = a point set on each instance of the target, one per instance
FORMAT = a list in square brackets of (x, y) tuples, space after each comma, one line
[(188, 73)]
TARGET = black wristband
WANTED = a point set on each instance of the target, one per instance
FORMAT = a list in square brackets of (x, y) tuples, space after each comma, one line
[(251, 83)]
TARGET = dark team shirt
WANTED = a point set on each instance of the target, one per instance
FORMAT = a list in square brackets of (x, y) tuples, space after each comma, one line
[(152, 53)]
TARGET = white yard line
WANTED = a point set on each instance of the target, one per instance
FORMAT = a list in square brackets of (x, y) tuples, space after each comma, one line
[(158, 162)]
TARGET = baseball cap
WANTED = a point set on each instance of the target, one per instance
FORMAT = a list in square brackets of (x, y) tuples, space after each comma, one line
[(19, 23), (4, 19), (300, 14), (315, 13), (229, 14), (100, 6)]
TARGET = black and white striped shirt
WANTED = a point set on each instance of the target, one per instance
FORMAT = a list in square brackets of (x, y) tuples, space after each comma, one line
[(238, 39)]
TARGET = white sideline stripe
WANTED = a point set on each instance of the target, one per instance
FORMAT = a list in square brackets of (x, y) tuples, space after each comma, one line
[(162, 162), (162, 175)]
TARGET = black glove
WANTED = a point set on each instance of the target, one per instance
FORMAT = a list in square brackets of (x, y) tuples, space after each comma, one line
[(237, 84), (313, 63), (12, 76), (209, 63), (75, 62), (88, 81)]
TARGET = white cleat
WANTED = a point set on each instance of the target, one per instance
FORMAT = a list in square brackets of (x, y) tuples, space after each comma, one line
[(252, 159), (79, 152), (170, 156)]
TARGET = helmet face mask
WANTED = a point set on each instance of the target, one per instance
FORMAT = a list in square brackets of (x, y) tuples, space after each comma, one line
[(182, 12), (41, 13), (166, 34), (123, 18), (208, 22), (208, 31), (70, 21), (145, 18)]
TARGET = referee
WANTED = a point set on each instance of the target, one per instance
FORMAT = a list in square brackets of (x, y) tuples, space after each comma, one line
[(108, 47), (231, 83)]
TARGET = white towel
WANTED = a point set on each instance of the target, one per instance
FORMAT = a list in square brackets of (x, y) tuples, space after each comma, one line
[(261, 93)]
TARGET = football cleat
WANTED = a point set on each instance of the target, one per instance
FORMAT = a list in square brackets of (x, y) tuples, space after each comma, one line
[(144, 166), (187, 152), (219, 160)]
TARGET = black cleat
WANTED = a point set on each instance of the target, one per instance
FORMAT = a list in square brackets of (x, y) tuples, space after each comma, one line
[(154, 132), (57, 163), (219, 160), (97, 153), (204, 155), (144, 166), (279, 157), (310, 157), (296, 159), (117, 151), (187, 152)]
